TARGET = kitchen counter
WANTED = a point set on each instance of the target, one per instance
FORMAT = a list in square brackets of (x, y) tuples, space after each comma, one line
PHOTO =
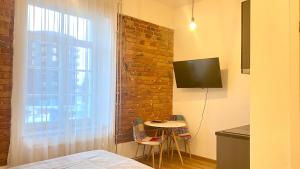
[(238, 132)]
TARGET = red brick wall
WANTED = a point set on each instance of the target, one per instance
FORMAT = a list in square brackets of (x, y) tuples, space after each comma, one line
[(145, 81), (6, 53)]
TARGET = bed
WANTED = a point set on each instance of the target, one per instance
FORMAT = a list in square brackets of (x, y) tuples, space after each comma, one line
[(98, 159)]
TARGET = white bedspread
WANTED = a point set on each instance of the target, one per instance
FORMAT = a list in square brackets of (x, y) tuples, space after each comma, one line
[(87, 160)]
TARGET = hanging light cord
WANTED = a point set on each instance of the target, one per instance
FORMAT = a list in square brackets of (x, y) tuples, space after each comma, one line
[(193, 4)]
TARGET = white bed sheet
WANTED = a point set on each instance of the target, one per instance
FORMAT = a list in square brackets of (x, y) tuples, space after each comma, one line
[(98, 159)]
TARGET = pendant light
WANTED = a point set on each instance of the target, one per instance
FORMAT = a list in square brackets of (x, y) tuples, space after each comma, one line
[(193, 24)]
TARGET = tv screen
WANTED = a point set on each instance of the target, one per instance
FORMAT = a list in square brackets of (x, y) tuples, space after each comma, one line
[(201, 73)]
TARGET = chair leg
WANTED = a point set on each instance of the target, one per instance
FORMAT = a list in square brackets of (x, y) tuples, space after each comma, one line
[(189, 146), (153, 161), (172, 149), (144, 150), (170, 146), (150, 150), (137, 150), (185, 146)]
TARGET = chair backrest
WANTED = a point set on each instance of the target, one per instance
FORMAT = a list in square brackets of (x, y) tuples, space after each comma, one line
[(181, 130), (178, 118), (138, 129)]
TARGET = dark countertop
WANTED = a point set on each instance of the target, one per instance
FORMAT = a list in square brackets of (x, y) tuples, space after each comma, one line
[(238, 132)]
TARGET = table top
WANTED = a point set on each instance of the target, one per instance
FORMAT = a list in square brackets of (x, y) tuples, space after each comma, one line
[(167, 124)]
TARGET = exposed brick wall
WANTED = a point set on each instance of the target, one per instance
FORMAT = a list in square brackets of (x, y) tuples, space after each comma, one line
[(6, 54), (145, 82)]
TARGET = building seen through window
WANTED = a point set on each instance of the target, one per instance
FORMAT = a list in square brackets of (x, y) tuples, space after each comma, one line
[(59, 67)]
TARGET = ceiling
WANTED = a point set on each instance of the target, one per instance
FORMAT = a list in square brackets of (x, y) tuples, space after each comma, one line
[(176, 3)]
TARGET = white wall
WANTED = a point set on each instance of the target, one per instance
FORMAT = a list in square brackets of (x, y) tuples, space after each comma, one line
[(295, 83), (155, 12), (218, 35), (150, 10), (275, 84)]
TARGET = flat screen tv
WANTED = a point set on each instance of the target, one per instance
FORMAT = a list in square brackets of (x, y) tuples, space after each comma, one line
[(200, 73)]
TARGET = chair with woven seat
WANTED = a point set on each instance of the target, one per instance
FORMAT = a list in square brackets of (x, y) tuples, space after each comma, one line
[(182, 133), (141, 138)]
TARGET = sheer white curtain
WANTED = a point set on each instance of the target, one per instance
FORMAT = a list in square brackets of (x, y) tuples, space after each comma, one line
[(63, 78)]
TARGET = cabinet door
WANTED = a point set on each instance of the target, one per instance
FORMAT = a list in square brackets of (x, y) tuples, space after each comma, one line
[(233, 153), (245, 65)]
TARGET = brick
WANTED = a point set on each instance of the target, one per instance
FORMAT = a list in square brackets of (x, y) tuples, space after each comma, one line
[(4, 134), (5, 68), (4, 115), (5, 75), (4, 27), (6, 54), (6, 94), (146, 83), (5, 125)]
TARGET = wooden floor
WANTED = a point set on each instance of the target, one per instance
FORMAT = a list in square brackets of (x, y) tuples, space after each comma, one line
[(189, 163)]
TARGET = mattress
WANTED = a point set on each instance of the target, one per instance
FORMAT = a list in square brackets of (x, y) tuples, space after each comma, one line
[(98, 159)]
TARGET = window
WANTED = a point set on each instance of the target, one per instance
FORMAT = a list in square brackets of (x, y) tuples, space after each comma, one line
[(63, 95), (59, 69)]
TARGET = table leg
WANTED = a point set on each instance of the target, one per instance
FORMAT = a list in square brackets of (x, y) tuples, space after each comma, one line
[(177, 147), (161, 148), (153, 162)]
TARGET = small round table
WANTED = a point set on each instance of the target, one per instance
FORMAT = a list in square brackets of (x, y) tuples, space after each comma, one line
[(167, 125)]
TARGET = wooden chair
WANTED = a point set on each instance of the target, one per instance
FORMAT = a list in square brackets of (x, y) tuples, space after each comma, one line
[(141, 138), (182, 133)]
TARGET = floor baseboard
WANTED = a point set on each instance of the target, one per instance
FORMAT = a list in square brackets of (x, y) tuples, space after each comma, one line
[(198, 157), (183, 154)]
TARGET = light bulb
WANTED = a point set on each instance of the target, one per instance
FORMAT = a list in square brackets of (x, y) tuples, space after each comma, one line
[(193, 24)]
